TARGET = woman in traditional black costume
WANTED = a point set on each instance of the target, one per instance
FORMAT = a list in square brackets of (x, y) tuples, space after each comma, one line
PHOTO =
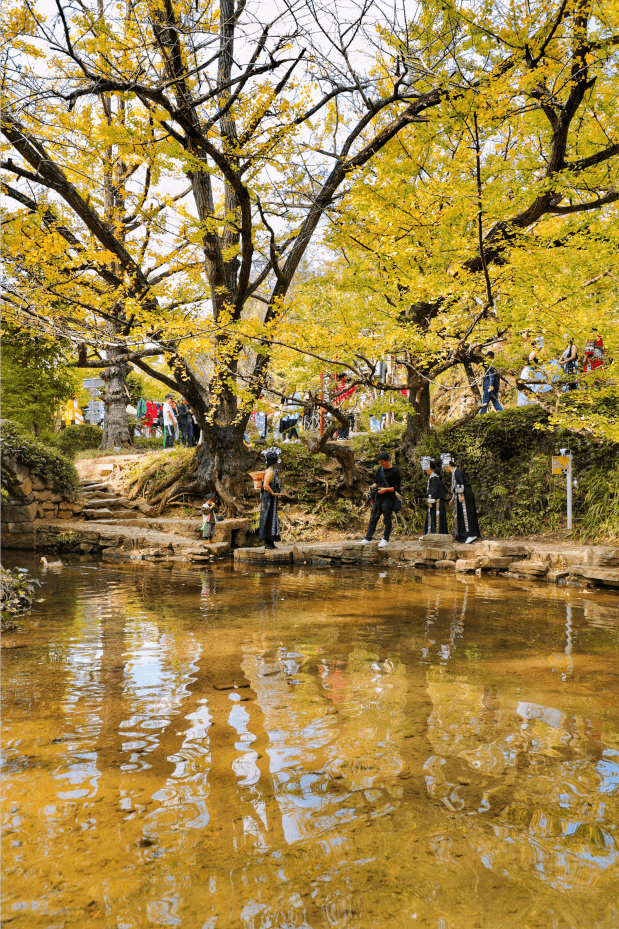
[(466, 525), (269, 520), (436, 519)]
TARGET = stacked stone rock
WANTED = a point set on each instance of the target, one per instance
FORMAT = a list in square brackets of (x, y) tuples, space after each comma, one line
[(31, 496)]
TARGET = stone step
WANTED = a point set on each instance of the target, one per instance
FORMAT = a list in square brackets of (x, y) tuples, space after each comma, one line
[(104, 513), (101, 501), (90, 487), (121, 516)]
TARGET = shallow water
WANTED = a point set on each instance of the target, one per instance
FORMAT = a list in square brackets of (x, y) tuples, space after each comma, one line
[(302, 748)]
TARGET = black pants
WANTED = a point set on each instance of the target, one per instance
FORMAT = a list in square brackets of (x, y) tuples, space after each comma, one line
[(168, 439), (382, 504)]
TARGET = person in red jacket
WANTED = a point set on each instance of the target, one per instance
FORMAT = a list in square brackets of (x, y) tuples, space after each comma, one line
[(594, 353)]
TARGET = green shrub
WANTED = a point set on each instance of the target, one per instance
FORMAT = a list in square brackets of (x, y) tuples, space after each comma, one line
[(507, 459), (47, 462), (76, 439), (153, 444), (367, 446)]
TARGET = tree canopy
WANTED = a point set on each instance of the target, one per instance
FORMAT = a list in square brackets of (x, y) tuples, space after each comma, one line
[(35, 379), (170, 165)]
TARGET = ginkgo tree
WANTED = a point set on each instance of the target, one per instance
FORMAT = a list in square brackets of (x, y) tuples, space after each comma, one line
[(171, 164), (493, 225)]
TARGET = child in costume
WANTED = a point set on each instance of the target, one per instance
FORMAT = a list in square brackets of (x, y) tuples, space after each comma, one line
[(208, 517)]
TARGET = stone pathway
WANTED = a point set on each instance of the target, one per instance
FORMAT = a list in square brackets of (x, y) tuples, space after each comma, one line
[(141, 539), (567, 564)]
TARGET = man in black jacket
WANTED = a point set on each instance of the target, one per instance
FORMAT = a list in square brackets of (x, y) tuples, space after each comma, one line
[(491, 385), (383, 493), (185, 425)]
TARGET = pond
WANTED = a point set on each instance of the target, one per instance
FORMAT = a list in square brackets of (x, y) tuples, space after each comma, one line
[(243, 749)]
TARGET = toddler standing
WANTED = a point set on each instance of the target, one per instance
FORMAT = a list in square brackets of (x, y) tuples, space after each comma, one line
[(208, 517)]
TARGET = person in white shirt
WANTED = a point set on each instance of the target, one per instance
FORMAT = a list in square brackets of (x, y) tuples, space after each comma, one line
[(169, 422)]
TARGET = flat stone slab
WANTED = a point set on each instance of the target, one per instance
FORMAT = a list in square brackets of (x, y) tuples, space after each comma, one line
[(500, 549), (528, 568), (282, 555), (347, 552), (602, 557), (607, 576)]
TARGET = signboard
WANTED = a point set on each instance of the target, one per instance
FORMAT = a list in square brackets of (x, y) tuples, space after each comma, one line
[(560, 464)]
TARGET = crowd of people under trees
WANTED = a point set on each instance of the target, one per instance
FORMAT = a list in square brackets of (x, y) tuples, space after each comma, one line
[(174, 421)]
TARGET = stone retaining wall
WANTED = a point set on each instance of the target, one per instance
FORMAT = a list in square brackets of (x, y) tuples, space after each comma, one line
[(31, 496)]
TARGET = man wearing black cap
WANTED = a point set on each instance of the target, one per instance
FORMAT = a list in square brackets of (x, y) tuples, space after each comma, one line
[(384, 497)]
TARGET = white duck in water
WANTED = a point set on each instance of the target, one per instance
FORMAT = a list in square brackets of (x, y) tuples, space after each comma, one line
[(50, 564)]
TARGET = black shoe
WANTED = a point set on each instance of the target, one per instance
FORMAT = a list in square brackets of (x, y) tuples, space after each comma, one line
[(269, 545)]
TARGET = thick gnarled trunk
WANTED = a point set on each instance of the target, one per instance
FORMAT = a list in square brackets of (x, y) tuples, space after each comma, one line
[(222, 461)]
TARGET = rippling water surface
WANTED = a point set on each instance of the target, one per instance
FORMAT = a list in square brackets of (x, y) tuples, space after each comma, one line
[(234, 749)]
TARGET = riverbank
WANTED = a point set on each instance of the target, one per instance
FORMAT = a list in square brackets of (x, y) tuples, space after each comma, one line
[(145, 539)]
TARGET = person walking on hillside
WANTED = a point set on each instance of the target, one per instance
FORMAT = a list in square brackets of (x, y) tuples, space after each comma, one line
[(436, 517), (466, 525), (185, 423), (269, 529), (569, 360), (384, 497), (169, 422), (491, 386)]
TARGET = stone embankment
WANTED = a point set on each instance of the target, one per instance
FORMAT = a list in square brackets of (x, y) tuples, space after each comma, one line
[(97, 520), (104, 523), (119, 529), (574, 565), (31, 496)]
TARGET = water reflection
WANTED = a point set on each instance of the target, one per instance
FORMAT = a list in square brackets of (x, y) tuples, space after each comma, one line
[(310, 749)]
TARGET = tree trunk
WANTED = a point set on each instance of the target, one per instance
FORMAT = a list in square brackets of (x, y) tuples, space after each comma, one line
[(116, 432), (418, 420), (222, 461), (470, 373)]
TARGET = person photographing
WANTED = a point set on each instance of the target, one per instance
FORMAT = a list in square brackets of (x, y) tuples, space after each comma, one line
[(384, 499)]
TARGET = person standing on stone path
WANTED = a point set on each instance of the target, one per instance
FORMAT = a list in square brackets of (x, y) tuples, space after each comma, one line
[(385, 501), (269, 520), (466, 525), (209, 517), (436, 517)]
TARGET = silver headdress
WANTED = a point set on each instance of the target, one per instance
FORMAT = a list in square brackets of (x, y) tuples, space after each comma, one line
[(426, 463), (447, 459), (272, 450)]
